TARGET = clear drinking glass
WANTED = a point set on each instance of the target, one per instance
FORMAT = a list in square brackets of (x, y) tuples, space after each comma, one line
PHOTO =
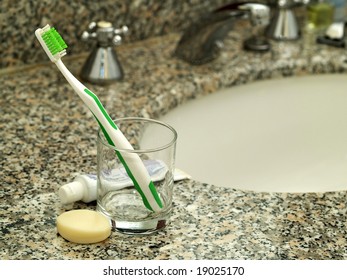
[(117, 198)]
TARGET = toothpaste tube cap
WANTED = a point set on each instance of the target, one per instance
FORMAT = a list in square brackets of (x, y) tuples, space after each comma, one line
[(71, 192)]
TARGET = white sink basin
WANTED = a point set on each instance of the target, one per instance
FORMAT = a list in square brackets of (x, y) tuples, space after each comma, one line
[(284, 135)]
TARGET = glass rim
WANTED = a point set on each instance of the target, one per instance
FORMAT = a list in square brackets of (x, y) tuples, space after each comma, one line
[(140, 119)]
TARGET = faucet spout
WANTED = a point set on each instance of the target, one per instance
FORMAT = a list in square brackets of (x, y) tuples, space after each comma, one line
[(203, 40)]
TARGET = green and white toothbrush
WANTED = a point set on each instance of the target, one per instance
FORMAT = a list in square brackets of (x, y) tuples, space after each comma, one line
[(54, 46)]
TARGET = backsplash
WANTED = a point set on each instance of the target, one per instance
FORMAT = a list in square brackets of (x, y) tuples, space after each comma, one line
[(145, 18)]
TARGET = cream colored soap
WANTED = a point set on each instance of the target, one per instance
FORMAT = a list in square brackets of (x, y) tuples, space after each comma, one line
[(83, 226)]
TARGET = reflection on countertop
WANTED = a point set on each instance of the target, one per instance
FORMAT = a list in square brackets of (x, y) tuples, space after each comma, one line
[(48, 136)]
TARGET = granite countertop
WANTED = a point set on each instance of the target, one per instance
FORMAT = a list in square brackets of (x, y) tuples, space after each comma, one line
[(48, 136)]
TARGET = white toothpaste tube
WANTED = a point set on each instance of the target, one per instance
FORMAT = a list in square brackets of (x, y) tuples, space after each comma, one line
[(84, 187)]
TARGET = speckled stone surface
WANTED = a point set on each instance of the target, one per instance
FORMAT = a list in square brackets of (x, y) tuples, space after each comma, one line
[(145, 18), (47, 136)]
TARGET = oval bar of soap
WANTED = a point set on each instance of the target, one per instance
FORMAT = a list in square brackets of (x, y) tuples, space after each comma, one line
[(83, 226)]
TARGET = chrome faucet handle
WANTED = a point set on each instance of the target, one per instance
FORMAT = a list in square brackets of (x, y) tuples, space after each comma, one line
[(90, 33), (104, 33), (102, 65), (117, 39)]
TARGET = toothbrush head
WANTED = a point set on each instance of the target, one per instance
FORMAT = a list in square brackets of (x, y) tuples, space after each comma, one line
[(52, 42)]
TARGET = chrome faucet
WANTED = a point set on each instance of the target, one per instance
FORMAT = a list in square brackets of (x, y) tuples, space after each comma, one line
[(284, 25), (102, 65), (203, 40)]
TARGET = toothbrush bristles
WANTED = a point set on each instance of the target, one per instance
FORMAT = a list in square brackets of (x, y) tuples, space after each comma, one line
[(53, 41)]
